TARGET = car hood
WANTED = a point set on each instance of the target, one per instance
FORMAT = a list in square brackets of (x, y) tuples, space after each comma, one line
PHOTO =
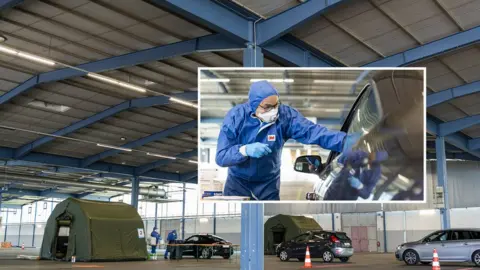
[(411, 243)]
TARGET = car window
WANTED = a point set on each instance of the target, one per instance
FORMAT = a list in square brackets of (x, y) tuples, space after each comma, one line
[(192, 239), (321, 236), (437, 236), (459, 235), (341, 236), (475, 234), (301, 238)]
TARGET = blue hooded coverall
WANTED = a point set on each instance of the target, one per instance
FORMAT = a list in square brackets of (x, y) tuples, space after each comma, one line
[(157, 236), (259, 178), (172, 236)]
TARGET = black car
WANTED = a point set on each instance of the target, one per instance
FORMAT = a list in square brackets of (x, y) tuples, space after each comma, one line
[(386, 125), (221, 247), (321, 244)]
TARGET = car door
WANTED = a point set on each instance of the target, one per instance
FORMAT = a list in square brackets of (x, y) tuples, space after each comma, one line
[(189, 249), (457, 247), (436, 241), (299, 246), (318, 243)]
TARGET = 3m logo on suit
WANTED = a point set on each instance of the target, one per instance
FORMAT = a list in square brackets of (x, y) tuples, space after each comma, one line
[(271, 138)]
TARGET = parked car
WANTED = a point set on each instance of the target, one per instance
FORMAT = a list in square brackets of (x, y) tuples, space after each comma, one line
[(386, 122), (221, 246), (321, 244), (454, 245)]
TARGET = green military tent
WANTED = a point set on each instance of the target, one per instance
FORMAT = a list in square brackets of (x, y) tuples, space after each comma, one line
[(280, 228), (94, 231)]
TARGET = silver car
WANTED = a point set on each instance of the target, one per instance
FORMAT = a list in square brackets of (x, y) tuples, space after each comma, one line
[(453, 245)]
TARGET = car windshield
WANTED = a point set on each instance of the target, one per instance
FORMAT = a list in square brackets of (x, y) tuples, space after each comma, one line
[(365, 118)]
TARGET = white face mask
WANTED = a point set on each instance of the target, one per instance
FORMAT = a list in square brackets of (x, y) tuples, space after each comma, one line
[(269, 116)]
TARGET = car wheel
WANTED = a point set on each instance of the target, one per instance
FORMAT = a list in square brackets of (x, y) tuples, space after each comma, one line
[(476, 258), (206, 253), (410, 257), (327, 256), (284, 256), (226, 257), (301, 259), (344, 259)]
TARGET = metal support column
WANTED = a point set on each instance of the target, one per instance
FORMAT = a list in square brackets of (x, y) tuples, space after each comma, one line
[(135, 191), (384, 231), (252, 55), (6, 227), (156, 215), (183, 210), (34, 224), (333, 222), (251, 256), (20, 227), (442, 180), (1, 197), (214, 218)]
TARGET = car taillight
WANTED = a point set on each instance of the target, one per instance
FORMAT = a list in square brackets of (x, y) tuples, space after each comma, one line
[(334, 239)]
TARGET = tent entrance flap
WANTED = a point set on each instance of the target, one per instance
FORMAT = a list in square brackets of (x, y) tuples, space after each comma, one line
[(62, 237)]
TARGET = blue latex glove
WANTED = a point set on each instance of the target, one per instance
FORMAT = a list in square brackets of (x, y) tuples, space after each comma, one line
[(257, 150), (355, 182)]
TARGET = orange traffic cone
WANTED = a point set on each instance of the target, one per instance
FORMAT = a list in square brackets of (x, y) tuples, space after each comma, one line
[(435, 262), (308, 261), (23, 246)]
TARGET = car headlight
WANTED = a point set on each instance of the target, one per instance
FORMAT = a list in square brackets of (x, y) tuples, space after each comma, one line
[(399, 247)]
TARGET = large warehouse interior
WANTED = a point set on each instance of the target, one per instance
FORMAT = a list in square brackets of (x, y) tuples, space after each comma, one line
[(98, 101)]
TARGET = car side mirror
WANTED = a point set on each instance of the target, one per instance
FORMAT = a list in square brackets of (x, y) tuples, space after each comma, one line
[(308, 164)]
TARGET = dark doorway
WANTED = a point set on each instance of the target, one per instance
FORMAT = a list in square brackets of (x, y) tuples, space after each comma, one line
[(61, 237)]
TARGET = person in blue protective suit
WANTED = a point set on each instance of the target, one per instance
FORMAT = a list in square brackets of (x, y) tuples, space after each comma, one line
[(252, 137), (172, 236), (155, 238), (358, 177)]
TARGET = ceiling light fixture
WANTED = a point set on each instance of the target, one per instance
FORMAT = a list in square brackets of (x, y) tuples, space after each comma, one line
[(193, 161), (27, 56), (114, 147), (181, 101), (224, 80), (117, 82), (49, 106), (334, 81), (273, 80), (2, 38), (160, 156)]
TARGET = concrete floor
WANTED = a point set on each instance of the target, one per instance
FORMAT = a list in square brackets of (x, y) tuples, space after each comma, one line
[(370, 261), (8, 260)]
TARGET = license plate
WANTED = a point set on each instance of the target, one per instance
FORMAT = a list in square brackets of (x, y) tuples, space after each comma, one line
[(226, 246)]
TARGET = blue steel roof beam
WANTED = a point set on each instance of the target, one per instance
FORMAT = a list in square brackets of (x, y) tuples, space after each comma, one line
[(463, 156), (37, 193), (188, 176), (63, 161), (232, 20), (142, 170), (451, 127), (432, 49), (210, 14), (140, 142), (452, 93), (8, 4), (458, 140), (283, 23), (474, 144), (214, 42), (135, 103)]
